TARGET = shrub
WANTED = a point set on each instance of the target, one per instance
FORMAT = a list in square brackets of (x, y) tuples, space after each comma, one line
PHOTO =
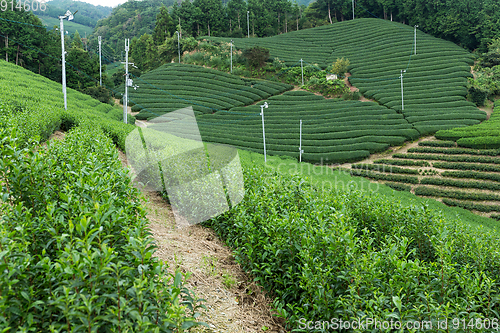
[(256, 56), (325, 254), (77, 254)]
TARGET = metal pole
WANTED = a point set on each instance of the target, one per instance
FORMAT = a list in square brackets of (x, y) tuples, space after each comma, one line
[(231, 56), (300, 142), (263, 131), (302, 68), (125, 96), (178, 46), (63, 63), (416, 39), (402, 97), (248, 24), (100, 63), (353, 9)]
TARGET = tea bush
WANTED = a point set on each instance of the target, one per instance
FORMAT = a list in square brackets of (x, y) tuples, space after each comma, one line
[(401, 162), (470, 159), (432, 150), (385, 176), (76, 253), (346, 255), (435, 192), (385, 168), (437, 143), (471, 206)]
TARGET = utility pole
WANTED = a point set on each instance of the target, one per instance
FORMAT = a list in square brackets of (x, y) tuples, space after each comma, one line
[(300, 143), (265, 105), (302, 69), (402, 97), (61, 27), (125, 96), (231, 56), (178, 47), (416, 39), (100, 62), (248, 23), (353, 9)]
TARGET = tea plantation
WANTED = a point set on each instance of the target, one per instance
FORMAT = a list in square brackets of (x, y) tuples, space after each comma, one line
[(333, 130), (76, 254), (483, 136), (175, 86), (434, 82)]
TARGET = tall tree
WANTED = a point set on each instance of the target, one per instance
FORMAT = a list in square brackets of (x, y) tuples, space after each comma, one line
[(164, 26)]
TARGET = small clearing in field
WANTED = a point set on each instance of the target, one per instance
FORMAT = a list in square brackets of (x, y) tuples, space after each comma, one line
[(235, 304)]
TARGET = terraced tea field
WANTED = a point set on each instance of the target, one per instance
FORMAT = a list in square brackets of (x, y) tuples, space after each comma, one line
[(434, 82), (175, 86), (485, 135), (462, 177)]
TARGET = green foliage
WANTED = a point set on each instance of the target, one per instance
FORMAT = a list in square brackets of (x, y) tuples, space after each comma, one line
[(385, 168), (257, 56), (326, 254), (375, 64), (431, 150), (465, 158), (100, 93), (462, 195), (461, 183), (76, 250), (385, 176), (468, 166), (402, 162), (399, 187), (340, 66), (34, 105), (472, 175), (472, 206), (437, 143)]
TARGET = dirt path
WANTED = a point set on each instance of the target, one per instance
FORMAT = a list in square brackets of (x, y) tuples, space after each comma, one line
[(389, 152), (234, 303)]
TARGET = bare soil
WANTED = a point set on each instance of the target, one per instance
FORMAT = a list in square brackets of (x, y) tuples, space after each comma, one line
[(234, 302)]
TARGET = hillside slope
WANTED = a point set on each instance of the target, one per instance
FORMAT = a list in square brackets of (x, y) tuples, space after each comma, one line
[(35, 105), (434, 82)]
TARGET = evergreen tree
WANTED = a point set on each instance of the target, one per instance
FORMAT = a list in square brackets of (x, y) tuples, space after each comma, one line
[(164, 26)]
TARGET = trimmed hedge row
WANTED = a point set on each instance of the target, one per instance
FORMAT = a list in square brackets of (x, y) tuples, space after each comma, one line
[(460, 183), (455, 151), (402, 162), (399, 187), (384, 176), (77, 255), (473, 175), (466, 166), (471, 159), (480, 142), (471, 206), (437, 143), (385, 168), (427, 191)]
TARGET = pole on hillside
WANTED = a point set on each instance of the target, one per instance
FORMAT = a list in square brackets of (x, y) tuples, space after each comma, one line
[(125, 96), (353, 9), (248, 24), (300, 143), (231, 56), (265, 105), (178, 46), (416, 39), (100, 62), (61, 27), (302, 69), (402, 96)]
